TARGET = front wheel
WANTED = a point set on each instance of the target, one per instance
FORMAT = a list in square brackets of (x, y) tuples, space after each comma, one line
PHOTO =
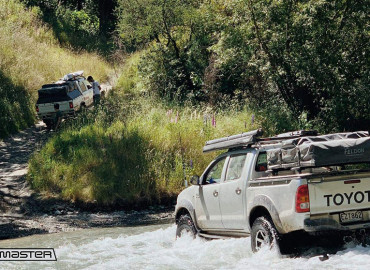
[(185, 225), (263, 234)]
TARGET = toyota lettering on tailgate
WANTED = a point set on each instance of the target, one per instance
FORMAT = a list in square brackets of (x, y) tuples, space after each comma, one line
[(347, 198)]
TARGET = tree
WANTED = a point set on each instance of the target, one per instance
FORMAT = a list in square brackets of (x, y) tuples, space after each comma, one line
[(312, 54), (169, 26)]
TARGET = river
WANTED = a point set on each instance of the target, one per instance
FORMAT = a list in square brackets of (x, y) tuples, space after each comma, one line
[(155, 247)]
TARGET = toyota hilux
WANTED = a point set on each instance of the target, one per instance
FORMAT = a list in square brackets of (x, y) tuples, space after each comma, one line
[(279, 188)]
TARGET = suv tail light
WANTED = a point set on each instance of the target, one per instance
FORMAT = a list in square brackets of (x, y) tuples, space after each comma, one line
[(37, 108), (302, 199), (71, 105)]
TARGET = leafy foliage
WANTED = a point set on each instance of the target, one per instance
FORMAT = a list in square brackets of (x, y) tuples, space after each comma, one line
[(309, 57), (175, 61), (30, 56), (82, 24)]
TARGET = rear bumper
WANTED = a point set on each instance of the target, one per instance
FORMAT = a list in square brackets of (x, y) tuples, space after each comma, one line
[(327, 224)]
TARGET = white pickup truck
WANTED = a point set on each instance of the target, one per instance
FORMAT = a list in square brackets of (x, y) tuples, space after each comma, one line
[(284, 188), (72, 93)]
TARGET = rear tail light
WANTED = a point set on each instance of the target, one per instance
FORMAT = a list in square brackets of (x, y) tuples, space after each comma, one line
[(302, 199), (71, 105), (37, 108)]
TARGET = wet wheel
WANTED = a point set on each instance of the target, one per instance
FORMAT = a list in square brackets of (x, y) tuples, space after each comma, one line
[(263, 234), (185, 225)]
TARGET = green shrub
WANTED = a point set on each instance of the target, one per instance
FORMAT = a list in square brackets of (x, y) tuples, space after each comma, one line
[(30, 57)]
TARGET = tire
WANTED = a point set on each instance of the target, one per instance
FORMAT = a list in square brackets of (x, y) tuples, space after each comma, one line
[(263, 233), (185, 225)]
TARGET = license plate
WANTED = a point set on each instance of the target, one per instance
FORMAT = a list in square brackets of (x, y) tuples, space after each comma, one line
[(350, 216)]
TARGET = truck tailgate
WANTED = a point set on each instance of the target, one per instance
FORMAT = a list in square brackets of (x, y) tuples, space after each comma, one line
[(47, 111), (339, 193), (46, 108)]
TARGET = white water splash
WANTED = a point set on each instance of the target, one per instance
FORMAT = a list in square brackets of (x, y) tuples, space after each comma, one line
[(155, 247)]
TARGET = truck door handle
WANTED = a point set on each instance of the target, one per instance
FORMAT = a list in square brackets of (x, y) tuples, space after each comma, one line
[(238, 191), (215, 193)]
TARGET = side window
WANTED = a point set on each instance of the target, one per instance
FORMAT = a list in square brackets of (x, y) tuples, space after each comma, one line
[(235, 169), (215, 173), (82, 86), (261, 164), (75, 86)]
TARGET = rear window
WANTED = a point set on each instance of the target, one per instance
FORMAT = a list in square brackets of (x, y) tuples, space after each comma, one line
[(261, 164)]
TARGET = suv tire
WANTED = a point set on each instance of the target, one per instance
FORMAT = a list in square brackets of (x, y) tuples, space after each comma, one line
[(185, 224), (263, 233)]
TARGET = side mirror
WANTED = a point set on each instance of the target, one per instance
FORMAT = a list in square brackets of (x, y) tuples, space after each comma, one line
[(194, 180)]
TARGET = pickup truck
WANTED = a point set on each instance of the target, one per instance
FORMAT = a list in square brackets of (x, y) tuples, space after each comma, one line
[(72, 93), (281, 189)]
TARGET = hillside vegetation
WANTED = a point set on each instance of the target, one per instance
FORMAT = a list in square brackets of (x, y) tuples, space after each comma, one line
[(203, 69), (132, 151), (31, 56)]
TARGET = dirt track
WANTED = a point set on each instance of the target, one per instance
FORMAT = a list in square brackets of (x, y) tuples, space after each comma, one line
[(24, 212)]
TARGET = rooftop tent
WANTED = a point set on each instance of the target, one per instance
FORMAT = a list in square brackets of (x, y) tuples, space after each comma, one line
[(335, 152), (318, 151)]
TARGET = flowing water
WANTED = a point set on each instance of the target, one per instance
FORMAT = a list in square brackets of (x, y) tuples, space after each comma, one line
[(155, 247)]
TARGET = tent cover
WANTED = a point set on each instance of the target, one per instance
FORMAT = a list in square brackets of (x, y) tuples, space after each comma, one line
[(318, 151)]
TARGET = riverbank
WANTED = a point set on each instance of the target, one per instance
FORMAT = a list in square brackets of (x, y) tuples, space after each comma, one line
[(24, 212), (53, 217)]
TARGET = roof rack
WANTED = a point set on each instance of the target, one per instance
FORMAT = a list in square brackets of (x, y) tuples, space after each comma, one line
[(252, 138), (307, 136)]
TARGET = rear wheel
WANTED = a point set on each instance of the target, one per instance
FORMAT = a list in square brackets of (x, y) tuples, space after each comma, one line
[(185, 225), (263, 234)]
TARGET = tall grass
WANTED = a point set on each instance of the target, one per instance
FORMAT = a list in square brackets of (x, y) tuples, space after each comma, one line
[(141, 158), (133, 150), (31, 56)]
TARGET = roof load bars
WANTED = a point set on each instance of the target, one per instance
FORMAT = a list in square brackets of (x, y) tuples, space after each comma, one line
[(239, 140)]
